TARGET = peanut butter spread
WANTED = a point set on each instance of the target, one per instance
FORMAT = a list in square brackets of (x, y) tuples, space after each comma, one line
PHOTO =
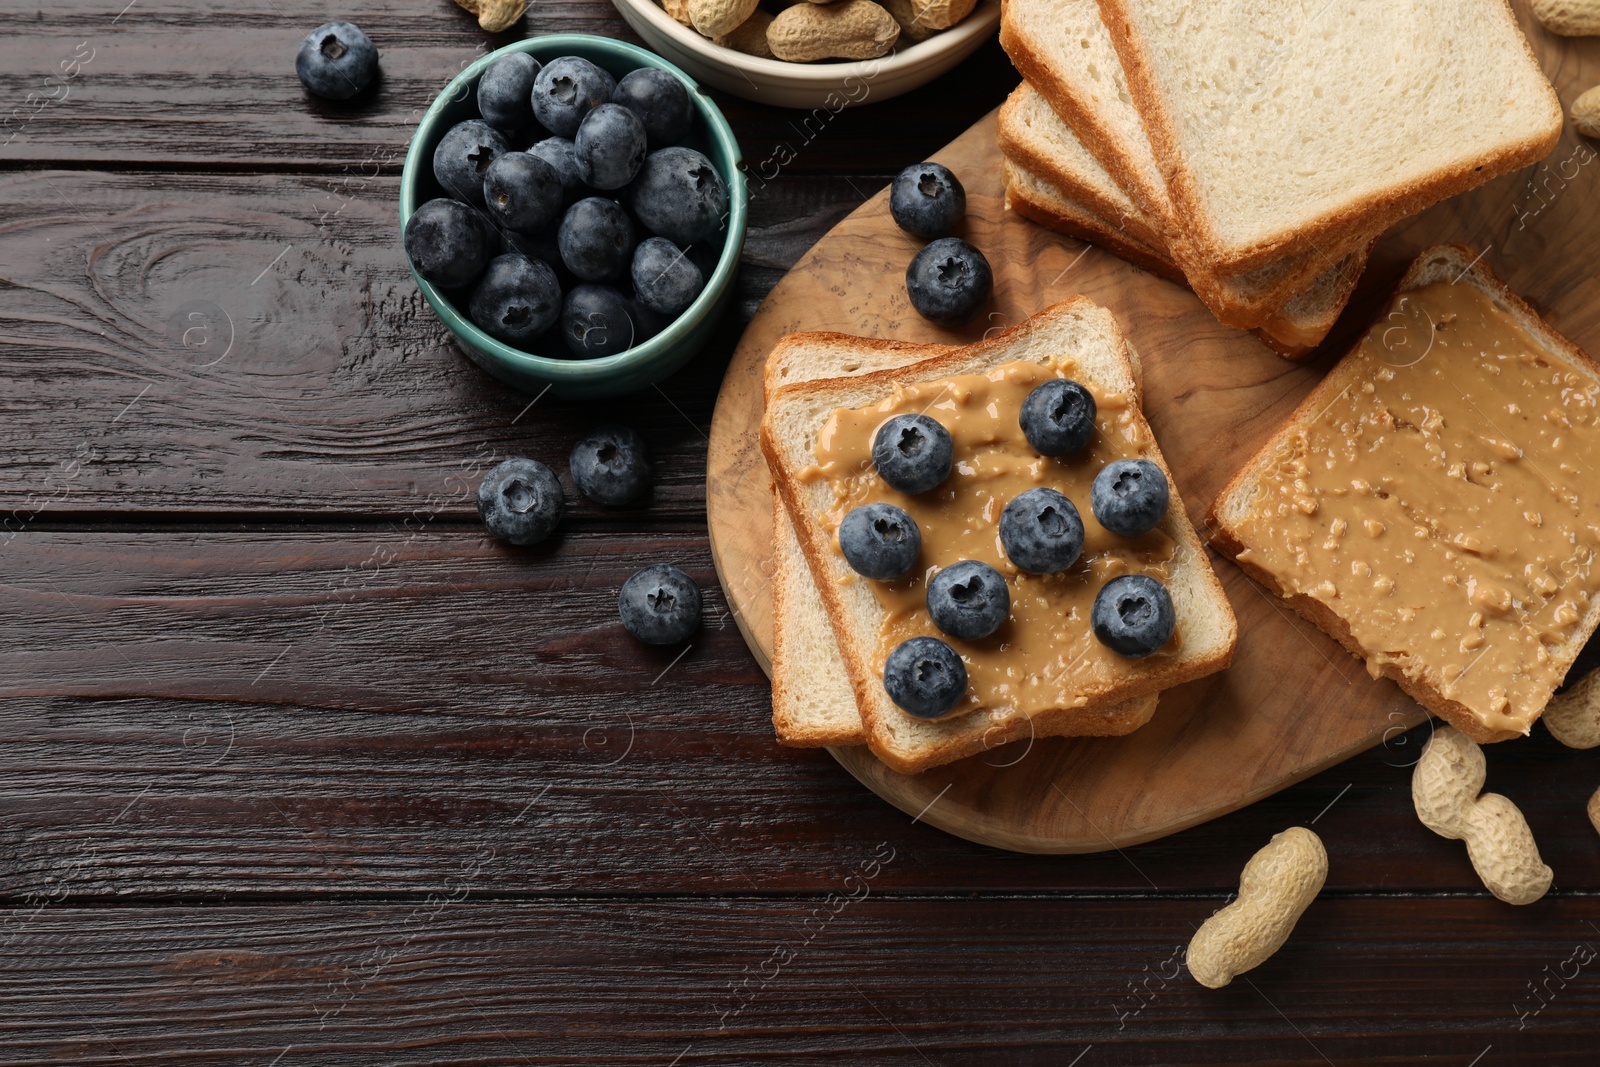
[(1444, 504), (1044, 656)]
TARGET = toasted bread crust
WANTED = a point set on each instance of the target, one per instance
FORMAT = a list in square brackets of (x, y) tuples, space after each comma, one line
[(1090, 719), (1225, 538), (1372, 213)]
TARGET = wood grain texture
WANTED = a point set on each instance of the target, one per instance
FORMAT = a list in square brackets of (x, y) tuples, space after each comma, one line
[(449, 979), (1293, 702), (167, 84), (205, 713), (246, 344)]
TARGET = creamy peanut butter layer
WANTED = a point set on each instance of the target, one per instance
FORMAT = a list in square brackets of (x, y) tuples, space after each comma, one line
[(1446, 505), (1044, 656)]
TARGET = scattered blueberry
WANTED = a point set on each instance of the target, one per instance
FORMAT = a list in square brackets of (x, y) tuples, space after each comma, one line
[(927, 201), (1058, 417), (880, 541), (520, 501), (463, 157), (609, 146), (948, 281), (925, 677), (505, 89), (1133, 616), (596, 239), (611, 466), (446, 242), (665, 280), (336, 61), (517, 300), (1129, 496), (913, 453), (660, 605), (969, 600), (660, 100), (1041, 531), (596, 320), (558, 152), (522, 192), (566, 90), (679, 195)]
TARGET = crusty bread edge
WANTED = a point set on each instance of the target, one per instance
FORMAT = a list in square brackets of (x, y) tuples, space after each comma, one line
[(1371, 214), (861, 675), (1225, 539)]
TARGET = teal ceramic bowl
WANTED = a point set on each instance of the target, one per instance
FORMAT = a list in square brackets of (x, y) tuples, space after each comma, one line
[(644, 364)]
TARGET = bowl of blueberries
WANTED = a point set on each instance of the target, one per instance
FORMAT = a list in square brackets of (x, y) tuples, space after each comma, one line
[(573, 209)]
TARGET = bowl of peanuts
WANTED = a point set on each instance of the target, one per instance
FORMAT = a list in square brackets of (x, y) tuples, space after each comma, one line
[(810, 54)]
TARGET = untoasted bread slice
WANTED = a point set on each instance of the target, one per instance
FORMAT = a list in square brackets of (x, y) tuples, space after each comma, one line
[(1281, 126), (1075, 334), (1465, 462), (1035, 136), (1293, 331), (812, 702)]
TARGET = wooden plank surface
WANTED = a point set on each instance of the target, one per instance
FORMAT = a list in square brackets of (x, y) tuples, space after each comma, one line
[(827, 979)]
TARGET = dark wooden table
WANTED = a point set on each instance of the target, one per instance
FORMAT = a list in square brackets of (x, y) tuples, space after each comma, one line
[(297, 767)]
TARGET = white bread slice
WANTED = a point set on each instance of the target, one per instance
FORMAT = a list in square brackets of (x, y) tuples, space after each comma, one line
[(1075, 333), (1280, 125), (1293, 331), (812, 702), (1031, 133), (1444, 263)]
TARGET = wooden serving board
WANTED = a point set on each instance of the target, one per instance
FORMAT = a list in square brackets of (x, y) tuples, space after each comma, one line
[(1293, 701)]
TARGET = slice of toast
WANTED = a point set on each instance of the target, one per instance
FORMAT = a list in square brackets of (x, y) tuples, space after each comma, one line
[(1463, 439), (812, 702), (1075, 335), (1294, 331), (1034, 135), (1280, 126)]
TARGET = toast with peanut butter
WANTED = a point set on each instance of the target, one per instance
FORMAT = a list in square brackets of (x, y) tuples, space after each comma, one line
[(1043, 672), (812, 702), (1429, 504)]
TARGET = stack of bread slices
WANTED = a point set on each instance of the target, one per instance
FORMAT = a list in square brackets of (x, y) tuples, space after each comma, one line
[(1256, 149)]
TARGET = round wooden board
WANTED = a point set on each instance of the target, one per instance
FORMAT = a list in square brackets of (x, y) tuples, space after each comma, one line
[(1293, 701)]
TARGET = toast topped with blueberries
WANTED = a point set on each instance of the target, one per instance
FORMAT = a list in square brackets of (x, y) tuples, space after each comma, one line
[(1055, 644)]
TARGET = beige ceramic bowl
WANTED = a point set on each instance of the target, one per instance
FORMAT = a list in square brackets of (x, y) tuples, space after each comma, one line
[(830, 85)]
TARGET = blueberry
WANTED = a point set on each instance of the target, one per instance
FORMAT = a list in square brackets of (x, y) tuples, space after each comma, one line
[(505, 91), (913, 453), (558, 152), (969, 600), (517, 300), (925, 677), (522, 193), (1041, 531), (609, 146), (596, 239), (660, 100), (948, 281), (463, 158), (520, 501), (543, 248), (446, 242), (679, 195), (611, 466), (927, 201), (1133, 616), (596, 321), (1058, 417), (1129, 496), (336, 61), (566, 90), (665, 280), (880, 541), (660, 605)]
